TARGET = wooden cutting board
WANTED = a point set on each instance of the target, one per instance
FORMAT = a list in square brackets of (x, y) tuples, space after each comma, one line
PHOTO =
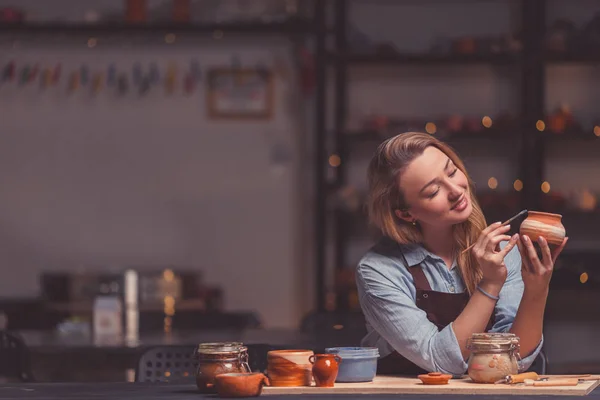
[(398, 385)]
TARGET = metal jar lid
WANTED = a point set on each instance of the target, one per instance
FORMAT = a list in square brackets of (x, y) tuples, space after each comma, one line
[(493, 342), (221, 348)]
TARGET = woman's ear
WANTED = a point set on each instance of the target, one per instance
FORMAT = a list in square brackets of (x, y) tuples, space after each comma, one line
[(404, 215)]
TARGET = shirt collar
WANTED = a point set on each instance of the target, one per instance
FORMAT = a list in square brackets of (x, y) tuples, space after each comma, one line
[(415, 254)]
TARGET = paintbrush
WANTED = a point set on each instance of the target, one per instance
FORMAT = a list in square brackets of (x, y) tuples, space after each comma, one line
[(507, 222)]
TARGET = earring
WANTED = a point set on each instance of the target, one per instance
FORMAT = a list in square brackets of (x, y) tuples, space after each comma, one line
[(414, 222)]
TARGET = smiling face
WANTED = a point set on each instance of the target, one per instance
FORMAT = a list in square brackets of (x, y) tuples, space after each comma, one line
[(435, 190)]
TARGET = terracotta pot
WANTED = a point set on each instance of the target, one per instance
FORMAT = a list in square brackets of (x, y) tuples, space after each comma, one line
[(454, 123), (557, 123), (249, 384), (465, 45), (289, 367), (325, 368), (435, 378), (181, 10), (473, 125), (136, 11), (543, 224)]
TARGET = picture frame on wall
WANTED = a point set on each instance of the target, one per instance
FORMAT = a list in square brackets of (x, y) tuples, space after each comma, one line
[(240, 93)]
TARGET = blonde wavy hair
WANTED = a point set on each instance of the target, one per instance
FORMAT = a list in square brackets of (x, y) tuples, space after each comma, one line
[(385, 197)]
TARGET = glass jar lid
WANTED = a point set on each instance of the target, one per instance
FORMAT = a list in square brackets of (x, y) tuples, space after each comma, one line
[(221, 348), (493, 342)]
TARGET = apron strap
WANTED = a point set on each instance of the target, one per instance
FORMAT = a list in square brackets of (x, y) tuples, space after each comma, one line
[(421, 282)]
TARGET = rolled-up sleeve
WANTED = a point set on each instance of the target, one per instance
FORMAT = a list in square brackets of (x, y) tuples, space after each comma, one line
[(508, 305), (392, 312)]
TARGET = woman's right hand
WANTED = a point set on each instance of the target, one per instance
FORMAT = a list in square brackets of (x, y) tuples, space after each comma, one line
[(490, 257)]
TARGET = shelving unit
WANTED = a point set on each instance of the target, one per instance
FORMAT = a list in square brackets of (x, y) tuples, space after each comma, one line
[(297, 25), (529, 143), (424, 59)]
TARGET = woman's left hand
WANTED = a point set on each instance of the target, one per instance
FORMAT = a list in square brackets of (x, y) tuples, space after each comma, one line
[(537, 273)]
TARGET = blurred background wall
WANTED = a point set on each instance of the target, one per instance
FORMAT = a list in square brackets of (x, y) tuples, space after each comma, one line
[(102, 181)]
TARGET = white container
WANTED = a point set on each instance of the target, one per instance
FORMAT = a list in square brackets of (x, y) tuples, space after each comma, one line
[(108, 317)]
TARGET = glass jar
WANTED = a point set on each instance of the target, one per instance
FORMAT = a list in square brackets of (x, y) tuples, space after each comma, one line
[(493, 356), (219, 358)]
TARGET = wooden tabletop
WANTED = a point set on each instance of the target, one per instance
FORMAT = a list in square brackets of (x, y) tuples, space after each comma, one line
[(132, 391)]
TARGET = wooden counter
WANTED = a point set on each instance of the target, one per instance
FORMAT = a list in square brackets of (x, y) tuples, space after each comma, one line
[(402, 385)]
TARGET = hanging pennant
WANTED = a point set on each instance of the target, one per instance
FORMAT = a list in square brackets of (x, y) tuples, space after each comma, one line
[(56, 74), (154, 74), (74, 81), (189, 84), (171, 78), (97, 82), (137, 74), (34, 73), (24, 78), (9, 72), (195, 71), (145, 86), (123, 84), (84, 75), (111, 77), (46, 80)]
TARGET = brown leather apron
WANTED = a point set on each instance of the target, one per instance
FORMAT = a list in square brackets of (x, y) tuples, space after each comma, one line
[(441, 308)]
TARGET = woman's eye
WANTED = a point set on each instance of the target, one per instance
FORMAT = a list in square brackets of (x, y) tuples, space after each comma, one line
[(432, 195), (453, 172)]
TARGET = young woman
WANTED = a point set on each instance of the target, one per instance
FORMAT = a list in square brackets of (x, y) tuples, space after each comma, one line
[(422, 296)]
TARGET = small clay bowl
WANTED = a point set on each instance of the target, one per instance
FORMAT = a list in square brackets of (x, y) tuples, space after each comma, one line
[(435, 378), (543, 224), (243, 384)]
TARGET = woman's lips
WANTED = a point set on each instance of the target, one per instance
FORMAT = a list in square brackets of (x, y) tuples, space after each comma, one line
[(461, 205)]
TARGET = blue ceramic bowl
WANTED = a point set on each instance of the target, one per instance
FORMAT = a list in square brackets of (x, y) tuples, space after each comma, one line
[(359, 364)]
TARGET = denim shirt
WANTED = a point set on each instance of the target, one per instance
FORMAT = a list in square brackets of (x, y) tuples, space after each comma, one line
[(387, 297)]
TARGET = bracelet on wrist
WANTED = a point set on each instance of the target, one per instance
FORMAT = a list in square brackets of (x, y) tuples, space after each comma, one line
[(495, 298)]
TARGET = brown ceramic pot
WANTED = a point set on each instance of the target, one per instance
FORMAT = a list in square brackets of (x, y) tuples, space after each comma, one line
[(325, 368), (247, 384), (289, 367), (543, 224)]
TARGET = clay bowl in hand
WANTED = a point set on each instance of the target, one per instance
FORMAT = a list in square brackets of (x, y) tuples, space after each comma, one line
[(543, 224), (242, 384), (435, 378)]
